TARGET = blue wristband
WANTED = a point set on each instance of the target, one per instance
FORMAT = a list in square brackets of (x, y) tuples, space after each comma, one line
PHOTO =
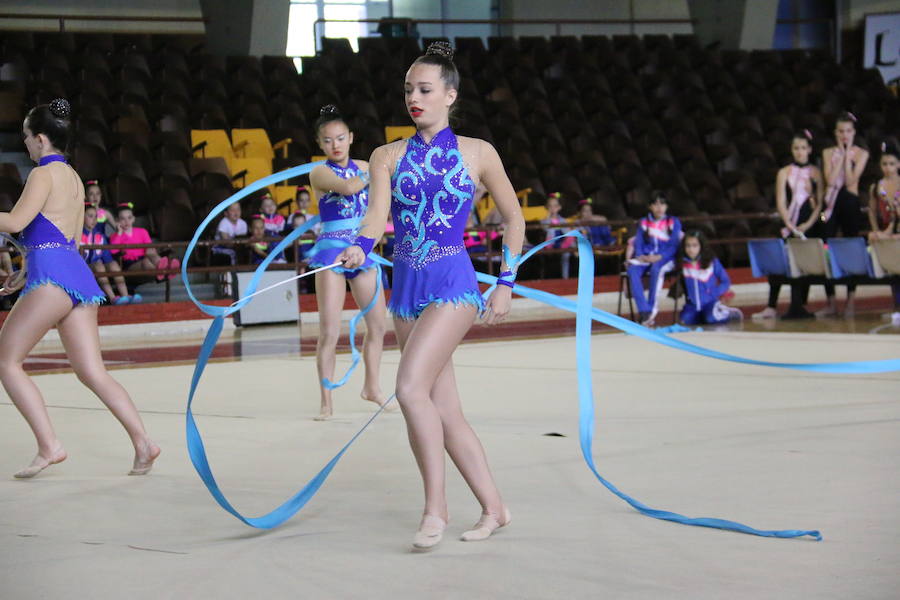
[(506, 282), (366, 243)]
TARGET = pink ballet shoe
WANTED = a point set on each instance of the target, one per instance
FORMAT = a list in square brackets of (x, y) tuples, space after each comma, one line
[(162, 265), (430, 532), (486, 526), (174, 264)]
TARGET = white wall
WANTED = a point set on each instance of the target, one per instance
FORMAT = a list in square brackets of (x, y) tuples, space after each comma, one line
[(116, 8), (853, 11)]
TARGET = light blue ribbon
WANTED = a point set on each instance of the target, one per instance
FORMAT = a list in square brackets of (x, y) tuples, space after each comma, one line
[(584, 314)]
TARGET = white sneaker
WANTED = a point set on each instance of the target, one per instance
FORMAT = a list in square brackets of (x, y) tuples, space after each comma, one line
[(895, 319)]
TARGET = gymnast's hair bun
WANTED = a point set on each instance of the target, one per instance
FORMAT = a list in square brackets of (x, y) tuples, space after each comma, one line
[(60, 108), (440, 48), (330, 111)]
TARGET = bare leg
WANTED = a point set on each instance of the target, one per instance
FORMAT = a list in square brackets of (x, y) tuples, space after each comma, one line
[(81, 339), (114, 267), (99, 267), (427, 345), (468, 455), (330, 293), (151, 258), (362, 287), (31, 317)]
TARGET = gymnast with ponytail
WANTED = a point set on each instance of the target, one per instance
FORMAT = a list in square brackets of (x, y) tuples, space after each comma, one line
[(427, 182), (59, 290)]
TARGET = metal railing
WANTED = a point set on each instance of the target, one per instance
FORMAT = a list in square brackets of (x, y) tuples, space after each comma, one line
[(135, 18), (556, 23)]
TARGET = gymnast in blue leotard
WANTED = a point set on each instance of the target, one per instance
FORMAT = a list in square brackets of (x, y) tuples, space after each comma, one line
[(58, 290), (341, 187), (427, 182)]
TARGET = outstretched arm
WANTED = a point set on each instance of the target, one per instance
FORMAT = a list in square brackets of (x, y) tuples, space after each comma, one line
[(33, 197)]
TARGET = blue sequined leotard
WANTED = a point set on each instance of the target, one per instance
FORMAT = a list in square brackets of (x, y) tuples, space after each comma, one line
[(431, 198), (341, 217), (52, 259)]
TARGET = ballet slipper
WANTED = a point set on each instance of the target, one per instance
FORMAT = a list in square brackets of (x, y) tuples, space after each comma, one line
[(142, 467), (485, 526), (323, 416), (767, 313), (430, 532), (174, 264), (162, 265), (37, 465)]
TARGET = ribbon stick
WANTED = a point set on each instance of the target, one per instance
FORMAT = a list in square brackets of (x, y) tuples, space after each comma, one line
[(584, 312)]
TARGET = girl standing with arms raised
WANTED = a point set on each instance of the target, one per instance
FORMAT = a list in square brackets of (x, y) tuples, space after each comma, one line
[(340, 185), (428, 182), (59, 290)]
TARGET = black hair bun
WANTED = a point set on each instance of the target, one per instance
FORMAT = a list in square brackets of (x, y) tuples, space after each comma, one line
[(60, 108), (440, 48), (329, 110)]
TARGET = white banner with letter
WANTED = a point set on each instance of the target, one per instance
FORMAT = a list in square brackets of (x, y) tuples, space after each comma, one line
[(882, 50)]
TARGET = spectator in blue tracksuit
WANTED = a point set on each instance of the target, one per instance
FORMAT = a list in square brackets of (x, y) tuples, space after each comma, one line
[(655, 245), (705, 281)]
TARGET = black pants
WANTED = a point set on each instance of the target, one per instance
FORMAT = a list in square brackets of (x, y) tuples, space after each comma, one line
[(846, 218)]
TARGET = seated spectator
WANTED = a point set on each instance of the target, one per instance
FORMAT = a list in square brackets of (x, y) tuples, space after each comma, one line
[(275, 223), (141, 259), (230, 227), (655, 245), (302, 199), (102, 261), (705, 283), (597, 230), (259, 247), (476, 241), (304, 244), (555, 218), (93, 195), (884, 209)]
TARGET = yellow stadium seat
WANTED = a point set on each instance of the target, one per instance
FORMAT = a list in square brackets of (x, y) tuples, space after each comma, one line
[(217, 144), (252, 143), (484, 207), (534, 213), (286, 199), (256, 168), (317, 158), (392, 133)]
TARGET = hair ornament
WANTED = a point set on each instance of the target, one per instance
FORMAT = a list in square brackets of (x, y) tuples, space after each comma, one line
[(440, 48), (60, 108)]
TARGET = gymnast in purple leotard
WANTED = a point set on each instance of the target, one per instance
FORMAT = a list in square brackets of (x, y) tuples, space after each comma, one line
[(427, 182), (59, 290), (341, 187)]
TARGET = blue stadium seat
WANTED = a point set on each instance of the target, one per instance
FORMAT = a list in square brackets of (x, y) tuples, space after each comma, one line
[(849, 256), (767, 257)]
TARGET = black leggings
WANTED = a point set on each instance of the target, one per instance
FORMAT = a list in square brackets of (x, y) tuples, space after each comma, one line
[(846, 218)]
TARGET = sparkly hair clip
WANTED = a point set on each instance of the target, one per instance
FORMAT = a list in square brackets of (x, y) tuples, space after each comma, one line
[(266, 195), (60, 108), (258, 216), (440, 48), (128, 205), (852, 116), (808, 135), (329, 110), (587, 201), (92, 182), (556, 195)]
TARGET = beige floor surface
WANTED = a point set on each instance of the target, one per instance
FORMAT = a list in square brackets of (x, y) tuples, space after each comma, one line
[(770, 448)]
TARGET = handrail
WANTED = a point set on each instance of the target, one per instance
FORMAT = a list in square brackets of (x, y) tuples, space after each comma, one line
[(137, 18), (558, 23)]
